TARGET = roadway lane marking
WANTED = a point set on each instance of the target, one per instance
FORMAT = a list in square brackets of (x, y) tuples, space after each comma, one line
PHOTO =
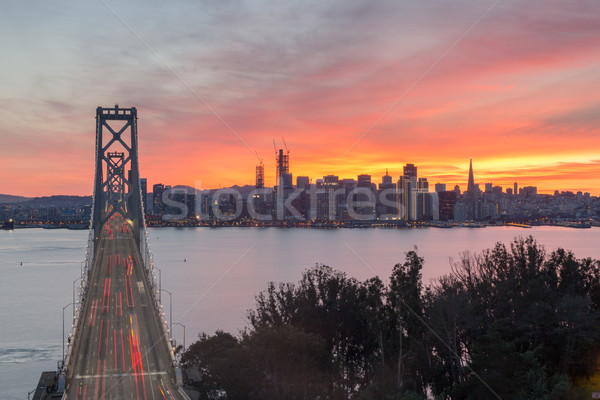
[(107, 343), (103, 380), (97, 381), (108, 297), (115, 342), (95, 309), (104, 294), (151, 387), (123, 349), (100, 339)]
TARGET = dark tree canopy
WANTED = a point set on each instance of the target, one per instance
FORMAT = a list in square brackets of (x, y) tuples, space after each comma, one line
[(511, 322)]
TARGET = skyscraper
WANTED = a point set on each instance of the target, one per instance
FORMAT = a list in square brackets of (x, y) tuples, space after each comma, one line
[(285, 181), (260, 176), (410, 170), (328, 201), (282, 160), (447, 200), (423, 206), (185, 197), (387, 197), (387, 178), (386, 182), (405, 203), (157, 203), (302, 203), (471, 184), (302, 182), (364, 180)]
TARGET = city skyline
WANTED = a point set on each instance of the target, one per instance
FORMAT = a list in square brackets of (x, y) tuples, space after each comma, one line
[(353, 87)]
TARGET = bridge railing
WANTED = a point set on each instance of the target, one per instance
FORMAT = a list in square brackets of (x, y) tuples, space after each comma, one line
[(86, 265), (148, 264), (78, 300)]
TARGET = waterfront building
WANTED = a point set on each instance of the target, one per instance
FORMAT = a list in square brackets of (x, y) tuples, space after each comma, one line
[(157, 203), (405, 197), (423, 206), (447, 200), (386, 206)]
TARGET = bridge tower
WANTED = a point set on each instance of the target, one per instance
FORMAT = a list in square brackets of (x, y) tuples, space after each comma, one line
[(117, 178)]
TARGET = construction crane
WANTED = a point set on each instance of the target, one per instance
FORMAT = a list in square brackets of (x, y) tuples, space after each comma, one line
[(286, 148)]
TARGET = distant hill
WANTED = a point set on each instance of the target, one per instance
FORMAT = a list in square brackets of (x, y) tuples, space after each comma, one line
[(243, 190), (10, 199), (79, 201), (58, 201)]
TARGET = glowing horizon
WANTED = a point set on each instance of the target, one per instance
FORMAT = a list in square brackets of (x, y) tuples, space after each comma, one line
[(354, 87)]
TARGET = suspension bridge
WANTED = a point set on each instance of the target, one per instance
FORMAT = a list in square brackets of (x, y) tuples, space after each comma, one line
[(120, 346)]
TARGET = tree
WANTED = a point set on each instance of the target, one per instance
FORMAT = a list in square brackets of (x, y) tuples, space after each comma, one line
[(293, 364), (405, 304), (523, 312), (224, 367), (341, 310)]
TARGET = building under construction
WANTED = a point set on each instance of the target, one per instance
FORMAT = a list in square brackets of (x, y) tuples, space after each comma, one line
[(282, 160), (260, 176)]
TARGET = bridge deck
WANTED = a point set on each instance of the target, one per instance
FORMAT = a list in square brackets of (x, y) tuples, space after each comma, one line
[(120, 351)]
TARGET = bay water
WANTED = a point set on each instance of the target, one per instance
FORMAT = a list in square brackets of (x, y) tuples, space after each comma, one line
[(214, 274)]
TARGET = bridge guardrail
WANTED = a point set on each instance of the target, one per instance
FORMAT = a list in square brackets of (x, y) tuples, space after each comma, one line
[(148, 263), (83, 286)]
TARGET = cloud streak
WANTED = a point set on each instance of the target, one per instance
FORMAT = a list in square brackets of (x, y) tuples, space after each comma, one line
[(317, 73)]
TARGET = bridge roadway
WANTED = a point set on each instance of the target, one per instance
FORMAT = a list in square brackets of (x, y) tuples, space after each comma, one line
[(120, 351)]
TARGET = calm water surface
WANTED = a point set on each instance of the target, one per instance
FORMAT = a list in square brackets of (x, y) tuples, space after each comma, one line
[(214, 275)]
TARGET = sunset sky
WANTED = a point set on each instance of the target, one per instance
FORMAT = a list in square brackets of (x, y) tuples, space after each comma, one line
[(354, 86)]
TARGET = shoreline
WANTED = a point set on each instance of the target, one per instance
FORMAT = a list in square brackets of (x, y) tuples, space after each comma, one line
[(334, 225)]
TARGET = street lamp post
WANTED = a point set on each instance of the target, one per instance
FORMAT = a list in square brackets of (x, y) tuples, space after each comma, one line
[(63, 332), (159, 284), (170, 312), (179, 323), (74, 295)]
